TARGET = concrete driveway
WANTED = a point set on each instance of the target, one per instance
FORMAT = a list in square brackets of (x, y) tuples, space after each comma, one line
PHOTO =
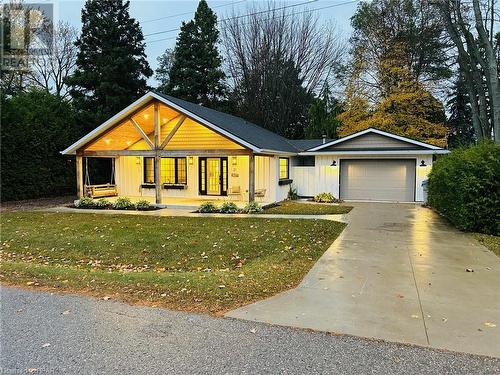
[(398, 273)]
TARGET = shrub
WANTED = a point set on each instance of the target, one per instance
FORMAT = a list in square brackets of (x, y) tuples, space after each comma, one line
[(292, 194), (85, 202), (143, 205), (326, 198), (229, 208), (464, 187), (252, 208), (207, 207), (102, 203), (122, 203)]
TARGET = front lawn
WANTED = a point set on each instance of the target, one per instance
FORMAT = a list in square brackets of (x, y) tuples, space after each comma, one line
[(489, 241), (299, 208), (189, 263)]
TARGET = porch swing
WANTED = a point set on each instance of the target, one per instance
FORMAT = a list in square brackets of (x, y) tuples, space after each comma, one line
[(101, 190)]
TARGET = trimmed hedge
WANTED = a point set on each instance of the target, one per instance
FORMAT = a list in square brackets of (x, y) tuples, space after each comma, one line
[(464, 186)]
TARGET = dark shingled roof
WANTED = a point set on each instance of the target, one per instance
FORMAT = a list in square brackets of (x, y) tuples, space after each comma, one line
[(247, 131), (306, 144)]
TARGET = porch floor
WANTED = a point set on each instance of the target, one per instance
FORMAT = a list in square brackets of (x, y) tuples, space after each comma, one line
[(189, 203)]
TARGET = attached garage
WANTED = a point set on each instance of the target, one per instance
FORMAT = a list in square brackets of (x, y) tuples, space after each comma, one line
[(370, 165), (377, 179)]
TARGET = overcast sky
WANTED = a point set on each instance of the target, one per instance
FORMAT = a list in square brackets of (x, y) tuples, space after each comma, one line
[(164, 15)]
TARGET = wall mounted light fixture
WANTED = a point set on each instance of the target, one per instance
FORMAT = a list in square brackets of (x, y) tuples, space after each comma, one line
[(137, 160), (190, 159), (334, 163), (422, 163), (234, 160)]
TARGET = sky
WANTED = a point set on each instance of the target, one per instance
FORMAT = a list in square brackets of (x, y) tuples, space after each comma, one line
[(162, 15)]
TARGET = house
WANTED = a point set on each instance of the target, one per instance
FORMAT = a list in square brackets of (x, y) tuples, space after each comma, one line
[(164, 148)]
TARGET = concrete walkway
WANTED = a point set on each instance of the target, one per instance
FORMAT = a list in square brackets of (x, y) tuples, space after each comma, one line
[(398, 273), (189, 213)]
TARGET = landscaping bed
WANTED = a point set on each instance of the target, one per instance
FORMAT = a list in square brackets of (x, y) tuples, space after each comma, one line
[(189, 263), (299, 208)]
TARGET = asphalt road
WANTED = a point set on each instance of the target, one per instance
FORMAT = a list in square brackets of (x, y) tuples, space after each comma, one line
[(45, 333)]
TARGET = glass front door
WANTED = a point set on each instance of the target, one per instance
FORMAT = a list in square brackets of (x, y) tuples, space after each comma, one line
[(213, 176)]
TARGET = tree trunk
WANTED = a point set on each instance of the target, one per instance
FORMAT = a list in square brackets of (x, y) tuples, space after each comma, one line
[(490, 69)]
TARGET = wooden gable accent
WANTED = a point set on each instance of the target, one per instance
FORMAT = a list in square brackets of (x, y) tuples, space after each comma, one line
[(179, 132)]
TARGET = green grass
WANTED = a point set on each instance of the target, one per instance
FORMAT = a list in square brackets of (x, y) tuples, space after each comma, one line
[(489, 241), (297, 208), (197, 264)]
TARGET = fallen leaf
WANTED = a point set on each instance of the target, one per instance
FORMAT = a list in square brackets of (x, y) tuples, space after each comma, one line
[(30, 283), (469, 270), (106, 298), (46, 345), (489, 324), (253, 330), (66, 312), (414, 316), (31, 370)]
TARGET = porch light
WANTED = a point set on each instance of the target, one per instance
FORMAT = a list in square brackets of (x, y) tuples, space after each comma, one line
[(107, 141), (234, 160), (137, 160), (146, 116), (422, 164), (334, 163), (190, 160), (164, 120)]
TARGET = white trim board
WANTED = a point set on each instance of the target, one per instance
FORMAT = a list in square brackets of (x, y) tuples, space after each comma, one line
[(377, 153), (376, 131)]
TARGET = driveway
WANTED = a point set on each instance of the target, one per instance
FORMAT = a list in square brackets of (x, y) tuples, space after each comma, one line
[(62, 334), (398, 273)]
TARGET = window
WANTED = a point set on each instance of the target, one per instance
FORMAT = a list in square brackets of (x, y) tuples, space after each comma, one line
[(284, 168), (173, 171), (149, 170)]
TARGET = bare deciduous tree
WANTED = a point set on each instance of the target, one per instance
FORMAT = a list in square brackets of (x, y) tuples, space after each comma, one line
[(472, 32), (48, 71), (272, 32), (275, 60)]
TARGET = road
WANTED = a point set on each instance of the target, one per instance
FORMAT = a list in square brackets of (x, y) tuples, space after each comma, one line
[(46, 333)]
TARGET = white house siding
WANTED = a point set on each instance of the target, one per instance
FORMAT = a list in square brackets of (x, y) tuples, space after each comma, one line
[(129, 178), (323, 177), (304, 180)]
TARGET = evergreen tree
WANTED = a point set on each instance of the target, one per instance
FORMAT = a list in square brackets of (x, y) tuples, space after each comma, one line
[(196, 73), (111, 64), (322, 116), (461, 131)]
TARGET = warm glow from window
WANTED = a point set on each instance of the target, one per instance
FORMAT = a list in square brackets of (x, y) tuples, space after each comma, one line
[(284, 168)]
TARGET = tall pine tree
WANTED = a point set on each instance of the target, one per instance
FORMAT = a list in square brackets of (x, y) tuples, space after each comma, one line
[(461, 131), (111, 65), (196, 73)]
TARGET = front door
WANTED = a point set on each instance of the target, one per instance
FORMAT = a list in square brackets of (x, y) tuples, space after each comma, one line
[(213, 176)]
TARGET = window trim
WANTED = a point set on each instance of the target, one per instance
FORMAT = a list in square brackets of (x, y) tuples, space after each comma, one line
[(176, 171), (287, 169)]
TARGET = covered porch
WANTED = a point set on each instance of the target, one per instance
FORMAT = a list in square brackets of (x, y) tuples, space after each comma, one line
[(169, 156)]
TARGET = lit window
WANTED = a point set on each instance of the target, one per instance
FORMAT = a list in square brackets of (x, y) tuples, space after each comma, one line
[(149, 170), (173, 171), (284, 168)]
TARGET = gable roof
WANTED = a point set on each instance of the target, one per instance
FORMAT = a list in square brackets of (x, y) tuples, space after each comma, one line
[(374, 131), (262, 138), (235, 128)]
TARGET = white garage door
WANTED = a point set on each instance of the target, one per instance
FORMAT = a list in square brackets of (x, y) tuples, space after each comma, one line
[(380, 180)]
